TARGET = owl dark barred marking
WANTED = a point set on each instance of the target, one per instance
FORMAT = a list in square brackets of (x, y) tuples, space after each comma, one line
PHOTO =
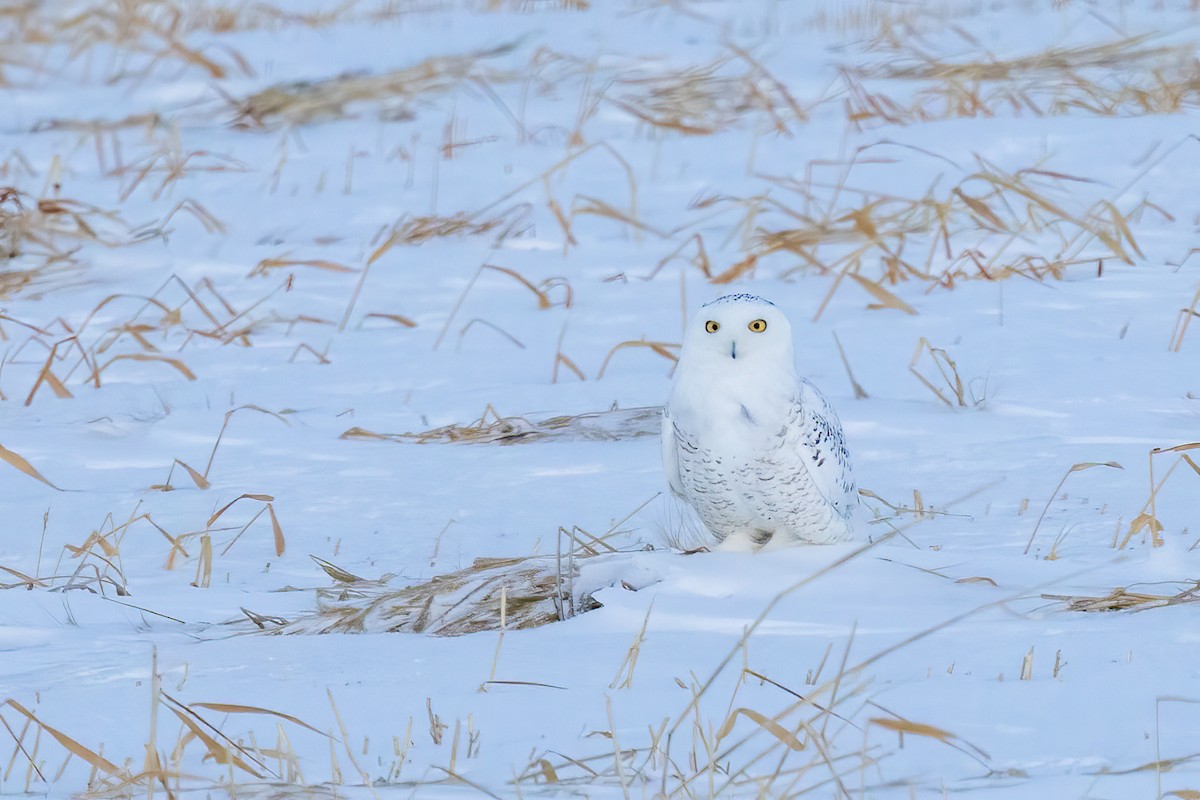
[(755, 449)]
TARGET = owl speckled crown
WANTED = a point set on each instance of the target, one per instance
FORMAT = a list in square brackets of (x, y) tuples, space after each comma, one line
[(738, 298)]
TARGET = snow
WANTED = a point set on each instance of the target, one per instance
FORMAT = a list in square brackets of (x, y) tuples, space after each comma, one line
[(932, 626)]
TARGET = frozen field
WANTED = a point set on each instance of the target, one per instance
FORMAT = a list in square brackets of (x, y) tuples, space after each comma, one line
[(308, 307)]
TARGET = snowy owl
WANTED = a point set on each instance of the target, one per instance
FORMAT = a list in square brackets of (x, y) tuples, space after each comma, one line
[(754, 448)]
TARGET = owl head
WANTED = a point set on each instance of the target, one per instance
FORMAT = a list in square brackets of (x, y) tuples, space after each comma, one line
[(739, 329)]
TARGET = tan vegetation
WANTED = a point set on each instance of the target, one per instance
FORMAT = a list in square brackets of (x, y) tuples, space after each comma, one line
[(978, 222)]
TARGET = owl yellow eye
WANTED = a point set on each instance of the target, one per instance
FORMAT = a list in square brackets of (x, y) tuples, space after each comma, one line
[(758, 325), (712, 326)]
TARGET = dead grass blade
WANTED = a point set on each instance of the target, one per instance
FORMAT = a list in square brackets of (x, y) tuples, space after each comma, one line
[(399, 319), (336, 572), (21, 748), (1122, 599), (942, 360), (233, 708), (741, 269), (565, 360), (47, 232), (844, 671), (914, 728), (706, 99), (1148, 518), (198, 479), (219, 752), (415, 230), (225, 425), (660, 348), (492, 428), (769, 725), (1012, 218), (304, 102), (859, 392), (1123, 77), (265, 266), (542, 290), (45, 375), (453, 604), (19, 462), (886, 299), (276, 530), (144, 357), (981, 209), (75, 748), (699, 260), (902, 726), (204, 563), (337, 715), (624, 677), (1181, 324), (594, 206), (1074, 468), (27, 581), (209, 222), (262, 498)]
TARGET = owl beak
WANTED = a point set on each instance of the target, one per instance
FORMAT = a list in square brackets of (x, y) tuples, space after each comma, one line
[(733, 349)]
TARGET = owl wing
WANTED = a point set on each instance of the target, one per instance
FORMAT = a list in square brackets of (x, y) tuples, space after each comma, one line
[(670, 453), (817, 434)]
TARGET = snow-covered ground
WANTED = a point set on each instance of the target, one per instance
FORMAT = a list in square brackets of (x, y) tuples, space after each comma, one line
[(247, 229)]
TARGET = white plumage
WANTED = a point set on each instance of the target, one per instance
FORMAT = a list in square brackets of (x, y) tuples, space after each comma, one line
[(753, 447)]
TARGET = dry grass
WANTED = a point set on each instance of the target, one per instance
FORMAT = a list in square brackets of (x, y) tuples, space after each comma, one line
[(992, 225), (538, 5), (168, 161), (155, 36), (124, 329), (1122, 599), (1184, 320), (393, 92), (661, 349), (492, 428), (731, 91), (947, 370), (420, 229), (18, 461), (96, 563), (411, 231), (241, 760), (461, 602), (160, 34), (252, 761), (704, 100), (818, 740), (40, 237), (1146, 522), (1085, 465), (145, 35), (1124, 77), (492, 594), (804, 746), (870, 18), (811, 741)]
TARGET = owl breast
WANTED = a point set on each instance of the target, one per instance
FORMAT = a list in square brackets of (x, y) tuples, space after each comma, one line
[(777, 473)]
